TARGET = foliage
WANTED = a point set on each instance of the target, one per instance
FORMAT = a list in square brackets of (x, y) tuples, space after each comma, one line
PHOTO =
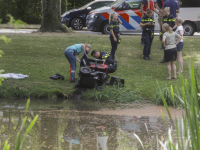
[(187, 128), (30, 11), (20, 139), (116, 93)]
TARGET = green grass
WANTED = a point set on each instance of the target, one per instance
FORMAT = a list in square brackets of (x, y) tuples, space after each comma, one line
[(41, 55)]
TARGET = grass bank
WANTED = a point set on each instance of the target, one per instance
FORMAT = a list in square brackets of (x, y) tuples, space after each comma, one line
[(41, 55)]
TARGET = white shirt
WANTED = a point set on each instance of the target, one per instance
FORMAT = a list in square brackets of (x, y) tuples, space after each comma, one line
[(177, 31)]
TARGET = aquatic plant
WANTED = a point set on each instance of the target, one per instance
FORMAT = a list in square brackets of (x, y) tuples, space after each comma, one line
[(187, 128), (20, 139)]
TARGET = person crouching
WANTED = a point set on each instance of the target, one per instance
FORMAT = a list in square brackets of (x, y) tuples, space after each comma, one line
[(71, 54), (148, 24)]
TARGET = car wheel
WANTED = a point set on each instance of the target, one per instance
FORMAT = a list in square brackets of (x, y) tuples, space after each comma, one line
[(188, 29), (77, 24), (105, 28)]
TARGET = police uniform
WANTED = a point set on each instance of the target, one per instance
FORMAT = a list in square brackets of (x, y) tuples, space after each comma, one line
[(111, 63), (169, 20), (148, 32), (114, 25)]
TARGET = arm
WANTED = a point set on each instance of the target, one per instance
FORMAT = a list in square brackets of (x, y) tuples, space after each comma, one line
[(83, 47), (120, 22), (104, 60), (163, 42), (178, 11), (179, 39), (77, 59), (160, 10), (145, 24), (141, 7), (180, 32)]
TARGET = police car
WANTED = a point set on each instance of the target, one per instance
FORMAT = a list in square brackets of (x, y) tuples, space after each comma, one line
[(76, 18), (129, 13)]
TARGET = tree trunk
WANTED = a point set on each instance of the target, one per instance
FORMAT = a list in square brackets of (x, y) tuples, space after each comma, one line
[(51, 17)]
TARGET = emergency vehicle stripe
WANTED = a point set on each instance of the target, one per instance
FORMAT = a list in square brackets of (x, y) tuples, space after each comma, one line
[(126, 24), (123, 15), (138, 13), (136, 18), (103, 18), (106, 15)]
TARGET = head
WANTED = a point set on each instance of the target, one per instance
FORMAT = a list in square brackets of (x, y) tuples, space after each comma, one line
[(149, 13), (166, 11), (113, 16), (179, 21), (88, 48), (166, 28), (95, 54)]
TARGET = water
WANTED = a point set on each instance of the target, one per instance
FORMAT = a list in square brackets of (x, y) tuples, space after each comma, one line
[(81, 125)]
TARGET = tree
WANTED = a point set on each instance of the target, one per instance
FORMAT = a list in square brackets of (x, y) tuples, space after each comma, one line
[(51, 17)]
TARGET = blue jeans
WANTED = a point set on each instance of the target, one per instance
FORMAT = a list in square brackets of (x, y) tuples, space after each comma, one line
[(69, 54), (180, 46), (147, 43)]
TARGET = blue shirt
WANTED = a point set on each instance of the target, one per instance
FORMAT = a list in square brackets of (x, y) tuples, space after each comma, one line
[(76, 47), (173, 6)]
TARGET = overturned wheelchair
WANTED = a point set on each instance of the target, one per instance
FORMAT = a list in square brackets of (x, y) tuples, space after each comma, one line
[(93, 73)]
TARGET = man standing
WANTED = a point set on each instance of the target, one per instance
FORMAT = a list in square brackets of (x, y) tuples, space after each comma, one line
[(174, 7)]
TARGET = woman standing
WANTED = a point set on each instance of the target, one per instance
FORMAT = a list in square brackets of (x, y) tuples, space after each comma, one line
[(71, 54), (170, 52), (114, 32), (147, 23), (179, 31)]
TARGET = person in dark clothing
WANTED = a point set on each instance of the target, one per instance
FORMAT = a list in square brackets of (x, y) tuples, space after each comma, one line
[(168, 19), (174, 7), (114, 32), (147, 23), (107, 60)]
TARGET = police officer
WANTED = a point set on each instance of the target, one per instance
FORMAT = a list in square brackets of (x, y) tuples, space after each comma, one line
[(114, 32), (147, 23), (169, 19), (107, 59)]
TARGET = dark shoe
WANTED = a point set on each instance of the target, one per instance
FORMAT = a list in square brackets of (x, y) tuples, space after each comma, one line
[(73, 80), (163, 61), (149, 57), (60, 76), (145, 58), (162, 48), (54, 77)]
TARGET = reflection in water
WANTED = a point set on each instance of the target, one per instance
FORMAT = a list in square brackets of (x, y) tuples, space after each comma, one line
[(74, 129)]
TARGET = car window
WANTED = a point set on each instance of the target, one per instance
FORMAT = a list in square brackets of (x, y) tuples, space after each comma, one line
[(99, 4), (130, 4)]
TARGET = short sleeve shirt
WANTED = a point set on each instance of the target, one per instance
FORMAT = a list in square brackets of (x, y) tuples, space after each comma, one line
[(177, 31), (170, 40), (76, 47), (173, 6), (114, 25)]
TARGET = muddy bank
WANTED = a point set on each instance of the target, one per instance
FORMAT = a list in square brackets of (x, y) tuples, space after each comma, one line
[(141, 110)]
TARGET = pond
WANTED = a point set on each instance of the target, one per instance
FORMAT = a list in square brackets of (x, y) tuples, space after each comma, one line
[(82, 125)]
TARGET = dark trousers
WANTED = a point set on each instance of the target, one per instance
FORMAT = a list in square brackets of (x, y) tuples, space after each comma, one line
[(148, 39), (114, 45)]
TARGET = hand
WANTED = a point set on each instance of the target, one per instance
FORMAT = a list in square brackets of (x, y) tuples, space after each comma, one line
[(160, 14), (115, 39), (148, 23)]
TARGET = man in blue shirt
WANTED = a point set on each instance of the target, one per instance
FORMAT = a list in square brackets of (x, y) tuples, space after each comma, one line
[(174, 7)]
